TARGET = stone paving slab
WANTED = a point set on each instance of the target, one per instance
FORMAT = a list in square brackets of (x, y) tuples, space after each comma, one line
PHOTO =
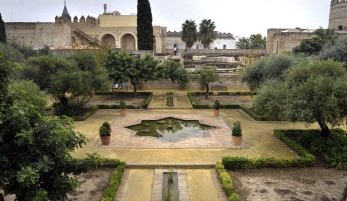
[(217, 138)]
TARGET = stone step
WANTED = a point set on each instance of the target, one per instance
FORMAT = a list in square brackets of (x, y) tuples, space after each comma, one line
[(170, 165)]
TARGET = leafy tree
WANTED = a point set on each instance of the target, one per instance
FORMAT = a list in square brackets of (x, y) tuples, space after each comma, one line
[(326, 35), (312, 46), (11, 53), (144, 25), (26, 51), (314, 92), (205, 76), (309, 46), (189, 33), (257, 41), (338, 51), (272, 67), (122, 67), (79, 75), (3, 37), (175, 71), (243, 43), (34, 149), (206, 32)]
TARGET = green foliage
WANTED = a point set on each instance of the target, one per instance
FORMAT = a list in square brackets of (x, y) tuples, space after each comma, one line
[(144, 25), (148, 101), (216, 105), (175, 71), (227, 183), (111, 191), (3, 37), (256, 116), (123, 67), (237, 130), (205, 76), (189, 33), (257, 41), (243, 43), (122, 105), (207, 32), (273, 67), (338, 51), (333, 149), (169, 99), (12, 54), (309, 46), (25, 50), (105, 129)]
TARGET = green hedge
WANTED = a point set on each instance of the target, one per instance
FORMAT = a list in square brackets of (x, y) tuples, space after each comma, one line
[(111, 191), (306, 159), (256, 116), (227, 183), (84, 117), (148, 100), (237, 93), (123, 93)]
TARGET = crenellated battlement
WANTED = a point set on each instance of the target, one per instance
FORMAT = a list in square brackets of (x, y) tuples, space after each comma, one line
[(334, 2), (89, 20)]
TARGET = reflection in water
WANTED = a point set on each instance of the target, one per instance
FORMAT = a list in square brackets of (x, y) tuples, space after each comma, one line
[(170, 129)]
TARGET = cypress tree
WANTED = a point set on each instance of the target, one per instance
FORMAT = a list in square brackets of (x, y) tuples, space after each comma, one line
[(145, 38), (3, 38)]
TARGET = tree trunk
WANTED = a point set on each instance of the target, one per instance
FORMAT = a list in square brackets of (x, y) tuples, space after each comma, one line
[(325, 129), (135, 89), (207, 90), (65, 103), (2, 197)]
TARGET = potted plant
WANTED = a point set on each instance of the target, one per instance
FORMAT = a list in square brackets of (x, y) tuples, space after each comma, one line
[(237, 133), (216, 107), (123, 108), (105, 133)]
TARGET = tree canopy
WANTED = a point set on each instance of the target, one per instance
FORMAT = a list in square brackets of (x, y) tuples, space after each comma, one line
[(123, 67), (189, 33), (309, 91), (145, 37), (34, 148), (205, 76), (175, 71), (3, 37), (207, 32), (255, 41)]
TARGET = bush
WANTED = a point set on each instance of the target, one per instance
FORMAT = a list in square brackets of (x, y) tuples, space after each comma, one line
[(237, 130), (105, 129), (111, 191), (148, 100), (333, 149), (227, 183), (216, 105), (256, 116)]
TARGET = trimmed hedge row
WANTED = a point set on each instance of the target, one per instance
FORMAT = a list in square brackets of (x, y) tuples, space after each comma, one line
[(97, 107), (111, 191), (123, 93), (227, 183), (256, 116), (306, 159)]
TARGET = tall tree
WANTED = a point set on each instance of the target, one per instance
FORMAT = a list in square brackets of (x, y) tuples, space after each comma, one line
[(145, 35), (3, 37), (35, 149), (123, 67), (206, 32), (243, 43), (257, 41), (205, 76), (189, 33)]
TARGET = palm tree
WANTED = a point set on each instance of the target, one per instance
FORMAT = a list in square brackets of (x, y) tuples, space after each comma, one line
[(206, 32), (326, 35), (243, 43), (189, 33)]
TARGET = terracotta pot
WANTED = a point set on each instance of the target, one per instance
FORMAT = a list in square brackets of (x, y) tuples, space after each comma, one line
[(216, 112), (123, 112), (237, 140), (105, 140)]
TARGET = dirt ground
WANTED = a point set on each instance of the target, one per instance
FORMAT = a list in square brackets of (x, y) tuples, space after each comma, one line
[(114, 100), (237, 100), (306, 184)]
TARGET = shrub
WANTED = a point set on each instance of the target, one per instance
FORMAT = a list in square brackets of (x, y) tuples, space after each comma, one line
[(111, 191), (105, 129), (148, 100), (237, 130), (216, 105), (122, 105), (227, 183)]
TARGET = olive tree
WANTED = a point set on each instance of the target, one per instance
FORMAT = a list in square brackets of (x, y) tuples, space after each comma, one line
[(205, 76)]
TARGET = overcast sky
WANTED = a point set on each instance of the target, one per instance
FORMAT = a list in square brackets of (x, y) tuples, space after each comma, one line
[(239, 17)]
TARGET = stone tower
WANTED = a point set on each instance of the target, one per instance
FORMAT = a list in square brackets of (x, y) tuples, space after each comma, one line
[(338, 15)]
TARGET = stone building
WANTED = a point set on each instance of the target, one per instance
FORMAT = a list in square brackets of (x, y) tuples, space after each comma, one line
[(109, 29), (281, 40)]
